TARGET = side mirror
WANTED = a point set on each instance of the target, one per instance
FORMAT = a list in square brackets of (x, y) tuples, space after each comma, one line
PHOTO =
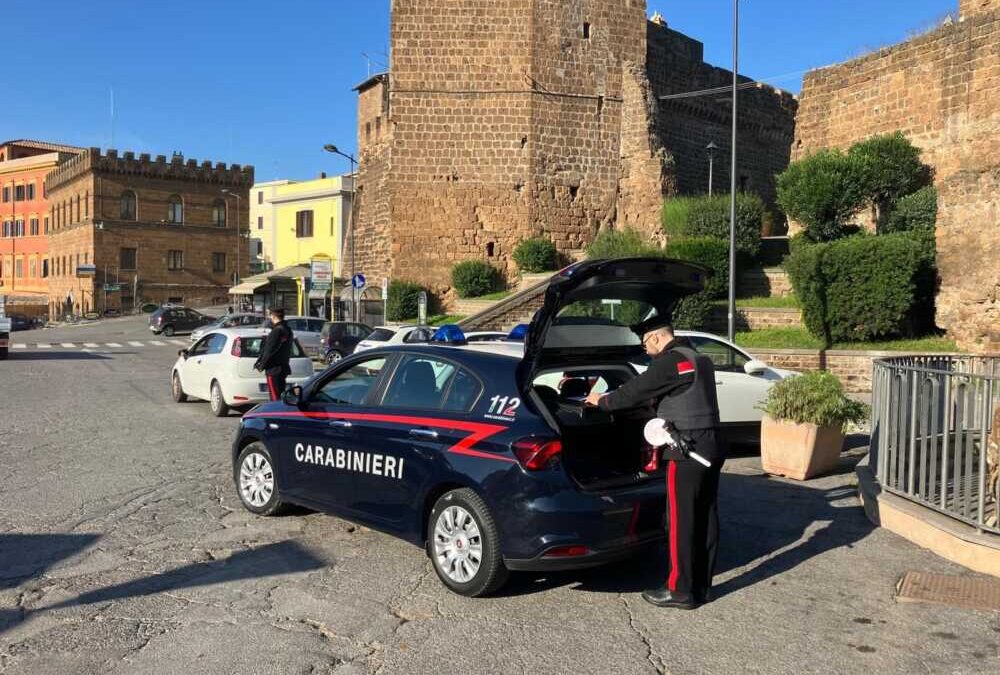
[(292, 395), (754, 367), (183, 353)]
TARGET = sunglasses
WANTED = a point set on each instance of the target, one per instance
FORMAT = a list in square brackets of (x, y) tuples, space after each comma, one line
[(647, 339)]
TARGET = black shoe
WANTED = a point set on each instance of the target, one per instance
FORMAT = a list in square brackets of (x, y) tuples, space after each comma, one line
[(703, 595), (661, 597)]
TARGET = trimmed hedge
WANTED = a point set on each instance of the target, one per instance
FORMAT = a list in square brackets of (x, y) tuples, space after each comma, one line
[(708, 251), (886, 168), (822, 192), (709, 217), (402, 301), (473, 278), (624, 243), (917, 211), (535, 255), (863, 287), (693, 312)]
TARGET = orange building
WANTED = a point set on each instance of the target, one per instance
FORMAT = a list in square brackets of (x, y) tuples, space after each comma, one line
[(24, 222)]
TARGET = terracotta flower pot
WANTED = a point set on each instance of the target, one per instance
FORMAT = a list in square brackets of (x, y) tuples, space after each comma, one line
[(799, 451)]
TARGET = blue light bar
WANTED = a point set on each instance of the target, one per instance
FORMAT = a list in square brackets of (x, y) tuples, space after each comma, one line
[(449, 334), (518, 333)]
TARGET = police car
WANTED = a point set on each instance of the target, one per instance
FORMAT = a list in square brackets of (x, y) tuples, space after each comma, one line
[(465, 452)]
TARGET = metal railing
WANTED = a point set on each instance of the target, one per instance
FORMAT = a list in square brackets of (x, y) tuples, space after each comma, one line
[(931, 426)]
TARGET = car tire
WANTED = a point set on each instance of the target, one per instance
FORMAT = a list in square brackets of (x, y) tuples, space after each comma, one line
[(216, 401), (332, 357), (464, 544), (176, 389), (257, 481), (168, 331)]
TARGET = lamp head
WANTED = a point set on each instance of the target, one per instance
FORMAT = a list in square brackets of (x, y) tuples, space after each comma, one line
[(329, 147)]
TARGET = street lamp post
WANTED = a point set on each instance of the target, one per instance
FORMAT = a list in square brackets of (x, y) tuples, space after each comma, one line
[(354, 291), (732, 182), (710, 149), (239, 243)]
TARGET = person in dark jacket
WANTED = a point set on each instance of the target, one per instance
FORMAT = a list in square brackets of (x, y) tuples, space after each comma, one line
[(680, 384), (275, 354)]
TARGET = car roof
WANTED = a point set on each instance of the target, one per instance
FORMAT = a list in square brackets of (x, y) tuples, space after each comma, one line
[(455, 352), (238, 332)]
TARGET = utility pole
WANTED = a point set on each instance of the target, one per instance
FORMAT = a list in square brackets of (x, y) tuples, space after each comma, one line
[(354, 193), (732, 181), (236, 274)]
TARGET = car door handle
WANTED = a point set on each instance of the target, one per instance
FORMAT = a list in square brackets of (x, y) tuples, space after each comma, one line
[(343, 424), (424, 433), (719, 382)]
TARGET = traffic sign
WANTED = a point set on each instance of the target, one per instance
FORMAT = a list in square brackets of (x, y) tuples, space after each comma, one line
[(322, 274), (358, 281)]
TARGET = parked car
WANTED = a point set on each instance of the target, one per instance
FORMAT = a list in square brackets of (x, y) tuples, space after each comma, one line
[(240, 320), (21, 322), (383, 336), (339, 338), (172, 320), (219, 368), (307, 330)]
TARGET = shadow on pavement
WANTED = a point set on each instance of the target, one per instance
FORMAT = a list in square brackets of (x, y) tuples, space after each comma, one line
[(26, 556), (780, 523), (282, 558), (21, 355)]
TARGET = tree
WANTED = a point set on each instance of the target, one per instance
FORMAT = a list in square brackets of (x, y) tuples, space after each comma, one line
[(886, 168), (822, 192)]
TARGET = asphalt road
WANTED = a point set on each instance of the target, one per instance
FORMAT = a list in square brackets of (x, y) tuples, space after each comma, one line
[(123, 549)]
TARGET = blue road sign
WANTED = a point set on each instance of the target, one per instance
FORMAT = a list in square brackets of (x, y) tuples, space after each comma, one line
[(358, 281)]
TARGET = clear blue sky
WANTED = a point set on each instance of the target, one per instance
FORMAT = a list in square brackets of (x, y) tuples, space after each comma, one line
[(267, 83)]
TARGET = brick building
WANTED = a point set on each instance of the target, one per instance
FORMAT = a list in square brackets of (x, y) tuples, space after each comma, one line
[(24, 221), (942, 89), (157, 230), (501, 121)]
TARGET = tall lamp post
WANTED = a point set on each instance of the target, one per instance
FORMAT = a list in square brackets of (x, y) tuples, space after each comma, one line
[(710, 149), (233, 193), (354, 291), (732, 182)]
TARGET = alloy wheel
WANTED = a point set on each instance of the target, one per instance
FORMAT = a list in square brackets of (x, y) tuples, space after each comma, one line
[(458, 544)]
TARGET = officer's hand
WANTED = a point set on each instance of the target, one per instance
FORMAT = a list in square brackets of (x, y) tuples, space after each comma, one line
[(593, 398)]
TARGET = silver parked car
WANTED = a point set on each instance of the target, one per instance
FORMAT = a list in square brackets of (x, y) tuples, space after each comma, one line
[(240, 320), (308, 330)]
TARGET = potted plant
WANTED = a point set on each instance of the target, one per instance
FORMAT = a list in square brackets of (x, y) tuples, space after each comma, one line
[(802, 432)]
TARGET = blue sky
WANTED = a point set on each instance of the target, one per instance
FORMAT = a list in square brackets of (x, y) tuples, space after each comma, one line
[(268, 82)]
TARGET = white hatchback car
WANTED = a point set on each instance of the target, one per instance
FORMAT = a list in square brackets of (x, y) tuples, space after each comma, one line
[(383, 336), (219, 368)]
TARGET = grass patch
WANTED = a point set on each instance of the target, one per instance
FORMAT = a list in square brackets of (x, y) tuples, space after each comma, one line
[(764, 302), (442, 319), (499, 295), (799, 338)]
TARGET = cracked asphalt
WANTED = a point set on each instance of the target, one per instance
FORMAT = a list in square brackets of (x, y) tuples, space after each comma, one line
[(123, 549)]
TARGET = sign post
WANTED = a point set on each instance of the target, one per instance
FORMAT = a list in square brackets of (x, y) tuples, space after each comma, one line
[(422, 308), (321, 274), (357, 284), (385, 299), (612, 302)]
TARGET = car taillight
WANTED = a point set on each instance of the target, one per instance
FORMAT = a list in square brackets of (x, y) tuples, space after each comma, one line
[(566, 552), (237, 347), (536, 454)]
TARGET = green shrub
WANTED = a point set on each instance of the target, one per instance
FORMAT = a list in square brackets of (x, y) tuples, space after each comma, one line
[(709, 217), (625, 243), (401, 304), (708, 251), (860, 288), (916, 211), (822, 192), (535, 255), (693, 312), (887, 167), (473, 278), (813, 398), (675, 216)]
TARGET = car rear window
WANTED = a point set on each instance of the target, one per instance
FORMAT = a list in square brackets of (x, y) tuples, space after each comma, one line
[(250, 348), (381, 335)]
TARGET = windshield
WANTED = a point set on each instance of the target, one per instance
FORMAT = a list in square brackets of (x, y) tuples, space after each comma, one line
[(604, 322)]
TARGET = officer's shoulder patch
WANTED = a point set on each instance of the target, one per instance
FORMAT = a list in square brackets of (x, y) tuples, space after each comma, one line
[(684, 367)]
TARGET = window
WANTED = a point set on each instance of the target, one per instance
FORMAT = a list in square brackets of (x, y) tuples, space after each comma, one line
[(77, 209), (32, 268), (216, 343), (463, 393), (31, 191), (126, 258), (6, 228), (260, 222), (419, 335), (420, 382), (33, 227), (303, 224), (200, 348), (260, 247), (175, 260), (260, 196), (219, 213), (250, 347), (19, 268), (46, 224), (6, 193), (175, 209), (586, 30), (351, 387), (127, 208), (18, 193), (378, 127), (45, 268), (724, 357), (218, 262), (19, 227), (368, 131), (86, 205)]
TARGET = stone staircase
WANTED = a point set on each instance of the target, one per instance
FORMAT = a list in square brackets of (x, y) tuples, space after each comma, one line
[(515, 309)]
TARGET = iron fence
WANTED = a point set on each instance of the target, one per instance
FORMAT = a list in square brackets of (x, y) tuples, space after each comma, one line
[(932, 417)]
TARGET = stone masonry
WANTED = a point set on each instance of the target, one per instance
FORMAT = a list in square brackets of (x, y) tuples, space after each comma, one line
[(502, 121), (142, 252), (942, 89)]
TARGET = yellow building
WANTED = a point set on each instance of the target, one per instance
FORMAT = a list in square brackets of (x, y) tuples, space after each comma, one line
[(309, 220)]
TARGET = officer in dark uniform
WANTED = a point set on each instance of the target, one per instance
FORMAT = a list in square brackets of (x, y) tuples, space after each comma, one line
[(275, 354), (680, 383)]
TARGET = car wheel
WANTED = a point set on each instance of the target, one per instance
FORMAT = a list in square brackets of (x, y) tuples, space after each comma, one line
[(464, 544), (168, 331), (257, 482), (217, 401), (333, 357), (176, 389)]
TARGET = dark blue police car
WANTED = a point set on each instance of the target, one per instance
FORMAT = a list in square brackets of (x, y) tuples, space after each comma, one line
[(489, 460)]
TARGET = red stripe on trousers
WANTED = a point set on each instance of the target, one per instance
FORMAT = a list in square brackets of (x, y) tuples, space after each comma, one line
[(672, 496), (270, 388)]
